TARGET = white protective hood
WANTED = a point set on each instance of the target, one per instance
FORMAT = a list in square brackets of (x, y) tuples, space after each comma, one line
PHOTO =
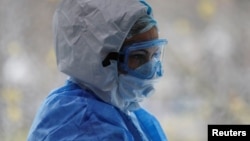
[(85, 31)]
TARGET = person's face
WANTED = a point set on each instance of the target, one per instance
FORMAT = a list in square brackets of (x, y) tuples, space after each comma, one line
[(140, 57)]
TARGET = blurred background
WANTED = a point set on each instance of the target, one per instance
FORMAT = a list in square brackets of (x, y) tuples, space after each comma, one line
[(207, 65)]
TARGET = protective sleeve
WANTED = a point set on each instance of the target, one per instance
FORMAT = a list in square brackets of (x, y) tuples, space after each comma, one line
[(68, 115), (150, 125)]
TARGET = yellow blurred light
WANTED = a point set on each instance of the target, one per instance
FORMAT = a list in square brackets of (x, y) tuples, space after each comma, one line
[(51, 59), (12, 97), (13, 48), (206, 9), (240, 108), (183, 26), (14, 113)]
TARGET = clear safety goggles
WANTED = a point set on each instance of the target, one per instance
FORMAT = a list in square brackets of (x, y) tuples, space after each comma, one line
[(143, 60)]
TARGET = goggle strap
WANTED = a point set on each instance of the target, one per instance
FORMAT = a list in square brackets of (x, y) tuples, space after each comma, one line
[(112, 56)]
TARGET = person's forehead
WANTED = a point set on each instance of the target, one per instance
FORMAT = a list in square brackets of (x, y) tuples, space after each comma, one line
[(146, 36), (149, 49)]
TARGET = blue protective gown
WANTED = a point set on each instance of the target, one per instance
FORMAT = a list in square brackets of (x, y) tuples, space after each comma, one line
[(73, 114)]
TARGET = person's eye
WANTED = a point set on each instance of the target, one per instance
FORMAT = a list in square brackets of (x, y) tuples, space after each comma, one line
[(137, 59)]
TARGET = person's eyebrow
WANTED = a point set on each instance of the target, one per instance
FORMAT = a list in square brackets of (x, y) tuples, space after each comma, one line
[(145, 51)]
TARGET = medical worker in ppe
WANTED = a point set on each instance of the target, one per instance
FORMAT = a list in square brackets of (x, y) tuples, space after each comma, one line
[(111, 52)]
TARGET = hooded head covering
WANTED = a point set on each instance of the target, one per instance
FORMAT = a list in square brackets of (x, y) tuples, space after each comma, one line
[(86, 31), (143, 24)]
